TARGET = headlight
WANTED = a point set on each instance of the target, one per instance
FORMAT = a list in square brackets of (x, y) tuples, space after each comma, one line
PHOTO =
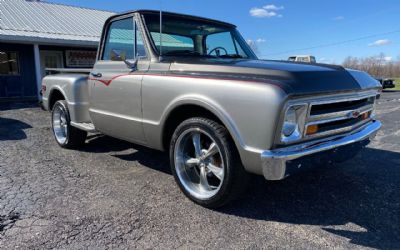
[(293, 124), (290, 123)]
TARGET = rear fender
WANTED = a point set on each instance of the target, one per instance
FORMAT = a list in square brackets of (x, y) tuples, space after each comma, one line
[(75, 89)]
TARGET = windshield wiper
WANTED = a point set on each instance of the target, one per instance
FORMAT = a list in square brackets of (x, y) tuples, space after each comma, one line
[(231, 56), (182, 53), (187, 53)]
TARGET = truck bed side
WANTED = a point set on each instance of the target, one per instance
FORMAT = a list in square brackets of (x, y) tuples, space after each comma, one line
[(71, 87)]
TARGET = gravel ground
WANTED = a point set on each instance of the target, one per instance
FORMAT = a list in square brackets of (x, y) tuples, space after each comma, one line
[(112, 194)]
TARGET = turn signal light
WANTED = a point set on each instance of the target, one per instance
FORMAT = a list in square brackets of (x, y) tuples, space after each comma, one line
[(312, 129), (365, 116)]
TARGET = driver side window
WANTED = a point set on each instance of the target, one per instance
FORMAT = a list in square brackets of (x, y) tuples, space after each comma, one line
[(123, 41), (223, 40)]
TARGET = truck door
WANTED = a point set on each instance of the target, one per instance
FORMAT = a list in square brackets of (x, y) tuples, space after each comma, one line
[(116, 81)]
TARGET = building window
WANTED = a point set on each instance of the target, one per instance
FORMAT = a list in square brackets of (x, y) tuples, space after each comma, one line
[(9, 63), (80, 58)]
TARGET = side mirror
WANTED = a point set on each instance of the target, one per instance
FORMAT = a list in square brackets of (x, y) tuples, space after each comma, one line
[(131, 63)]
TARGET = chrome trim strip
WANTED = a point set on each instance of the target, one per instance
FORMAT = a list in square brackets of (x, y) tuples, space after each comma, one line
[(344, 113), (343, 99), (337, 131), (339, 99), (338, 118)]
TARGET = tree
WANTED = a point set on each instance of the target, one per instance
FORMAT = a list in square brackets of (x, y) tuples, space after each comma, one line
[(378, 66)]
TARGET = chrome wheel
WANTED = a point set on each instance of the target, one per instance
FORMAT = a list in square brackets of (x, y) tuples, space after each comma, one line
[(60, 125), (199, 163)]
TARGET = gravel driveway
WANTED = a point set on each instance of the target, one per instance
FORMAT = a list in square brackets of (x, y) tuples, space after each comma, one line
[(113, 194)]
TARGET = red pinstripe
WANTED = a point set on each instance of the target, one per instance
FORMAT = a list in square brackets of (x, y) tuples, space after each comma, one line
[(109, 81)]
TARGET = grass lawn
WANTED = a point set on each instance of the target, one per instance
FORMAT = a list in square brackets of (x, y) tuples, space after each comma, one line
[(397, 84)]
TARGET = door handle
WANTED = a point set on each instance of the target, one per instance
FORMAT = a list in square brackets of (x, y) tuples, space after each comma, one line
[(96, 74)]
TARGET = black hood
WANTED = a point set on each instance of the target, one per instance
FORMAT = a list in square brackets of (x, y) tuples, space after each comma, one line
[(293, 78)]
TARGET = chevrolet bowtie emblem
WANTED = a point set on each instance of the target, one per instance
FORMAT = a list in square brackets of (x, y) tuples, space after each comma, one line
[(354, 114)]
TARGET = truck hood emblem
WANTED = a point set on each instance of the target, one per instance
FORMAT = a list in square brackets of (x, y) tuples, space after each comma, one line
[(354, 114)]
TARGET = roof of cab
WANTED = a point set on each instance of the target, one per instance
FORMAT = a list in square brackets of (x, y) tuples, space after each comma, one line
[(157, 12)]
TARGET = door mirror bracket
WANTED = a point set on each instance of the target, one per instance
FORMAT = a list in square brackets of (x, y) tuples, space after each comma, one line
[(131, 63)]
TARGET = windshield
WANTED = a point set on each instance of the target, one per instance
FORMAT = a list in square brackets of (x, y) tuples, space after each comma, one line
[(189, 37)]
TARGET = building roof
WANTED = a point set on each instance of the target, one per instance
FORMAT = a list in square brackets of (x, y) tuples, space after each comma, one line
[(49, 23)]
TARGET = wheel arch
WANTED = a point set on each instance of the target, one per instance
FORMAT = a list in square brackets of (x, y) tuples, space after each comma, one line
[(185, 110), (55, 95)]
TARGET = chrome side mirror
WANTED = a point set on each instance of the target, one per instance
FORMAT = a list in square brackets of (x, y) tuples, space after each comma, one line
[(132, 63)]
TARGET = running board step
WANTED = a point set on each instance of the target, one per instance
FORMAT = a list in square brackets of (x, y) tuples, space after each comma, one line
[(86, 126)]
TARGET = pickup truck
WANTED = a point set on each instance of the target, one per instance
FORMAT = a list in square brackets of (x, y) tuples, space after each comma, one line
[(193, 87), (386, 82), (302, 58)]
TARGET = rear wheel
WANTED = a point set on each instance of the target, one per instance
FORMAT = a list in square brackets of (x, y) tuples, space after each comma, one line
[(205, 163), (66, 135)]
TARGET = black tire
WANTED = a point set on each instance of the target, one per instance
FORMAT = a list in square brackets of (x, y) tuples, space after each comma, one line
[(74, 136), (235, 177)]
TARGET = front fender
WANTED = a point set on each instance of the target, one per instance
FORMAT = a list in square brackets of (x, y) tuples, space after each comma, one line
[(248, 110), (208, 104)]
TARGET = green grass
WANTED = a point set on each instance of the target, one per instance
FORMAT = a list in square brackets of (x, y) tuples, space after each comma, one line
[(397, 84)]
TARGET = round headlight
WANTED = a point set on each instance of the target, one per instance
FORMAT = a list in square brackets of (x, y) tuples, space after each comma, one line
[(290, 123)]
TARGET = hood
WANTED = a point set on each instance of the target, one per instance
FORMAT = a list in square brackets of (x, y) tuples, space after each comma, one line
[(293, 78)]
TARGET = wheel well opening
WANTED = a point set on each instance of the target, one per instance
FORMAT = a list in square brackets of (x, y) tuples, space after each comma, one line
[(55, 96), (178, 115)]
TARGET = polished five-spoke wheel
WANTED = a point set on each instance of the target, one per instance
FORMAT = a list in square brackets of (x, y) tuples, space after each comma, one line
[(205, 162), (60, 124), (66, 135), (199, 164)]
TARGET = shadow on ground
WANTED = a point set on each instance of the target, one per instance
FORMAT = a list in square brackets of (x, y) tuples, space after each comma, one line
[(364, 191), (150, 158), (11, 129)]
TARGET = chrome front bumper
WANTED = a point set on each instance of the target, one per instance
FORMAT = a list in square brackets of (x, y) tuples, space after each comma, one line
[(280, 163)]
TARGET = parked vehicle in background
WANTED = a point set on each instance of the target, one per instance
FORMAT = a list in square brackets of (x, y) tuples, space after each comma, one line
[(198, 91), (386, 82), (302, 58)]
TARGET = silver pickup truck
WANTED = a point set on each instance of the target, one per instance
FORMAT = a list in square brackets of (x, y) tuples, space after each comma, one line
[(193, 87)]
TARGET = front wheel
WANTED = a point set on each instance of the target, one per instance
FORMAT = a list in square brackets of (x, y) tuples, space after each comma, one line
[(66, 135), (205, 163)]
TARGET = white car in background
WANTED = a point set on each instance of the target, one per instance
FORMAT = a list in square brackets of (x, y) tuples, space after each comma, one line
[(302, 58)]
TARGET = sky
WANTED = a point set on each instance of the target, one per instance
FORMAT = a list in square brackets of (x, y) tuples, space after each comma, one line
[(329, 30)]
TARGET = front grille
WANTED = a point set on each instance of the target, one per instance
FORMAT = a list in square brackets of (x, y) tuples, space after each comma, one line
[(340, 106), (338, 115)]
